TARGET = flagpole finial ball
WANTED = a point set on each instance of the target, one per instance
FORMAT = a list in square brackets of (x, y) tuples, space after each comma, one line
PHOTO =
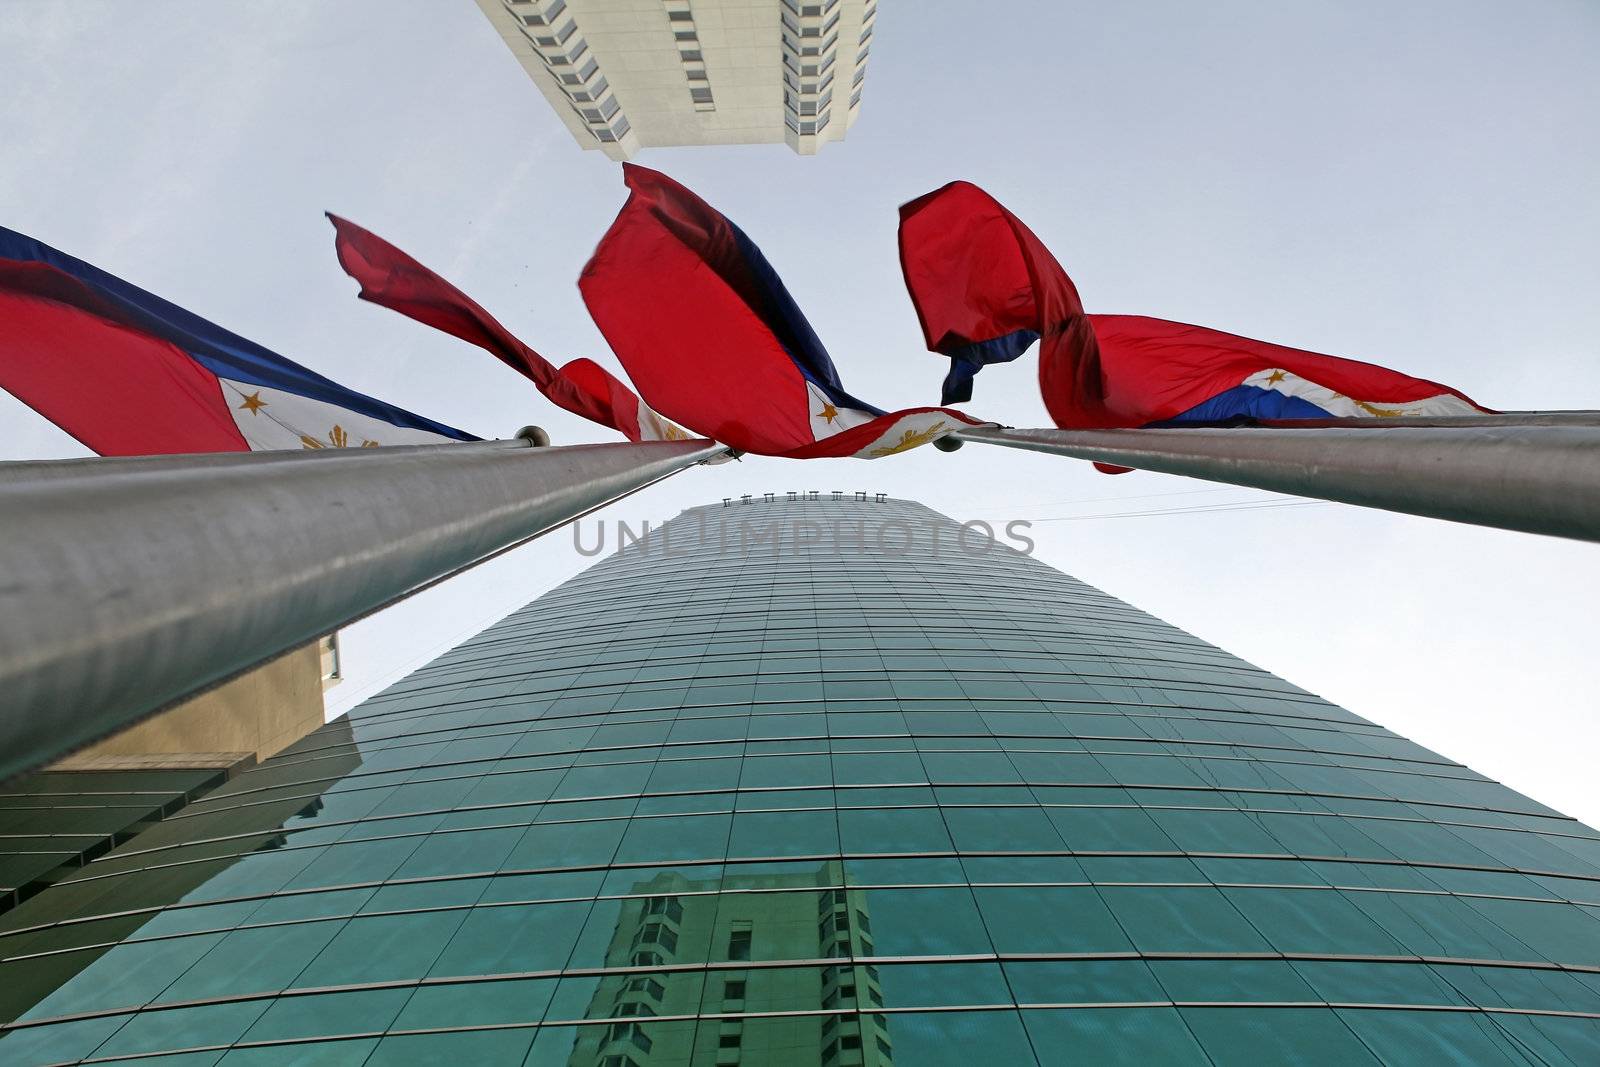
[(948, 443), (535, 436)]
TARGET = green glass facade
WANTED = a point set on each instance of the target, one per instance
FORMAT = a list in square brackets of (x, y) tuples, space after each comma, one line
[(813, 782)]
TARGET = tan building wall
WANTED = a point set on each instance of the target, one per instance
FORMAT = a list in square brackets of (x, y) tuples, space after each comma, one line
[(248, 719), (624, 75)]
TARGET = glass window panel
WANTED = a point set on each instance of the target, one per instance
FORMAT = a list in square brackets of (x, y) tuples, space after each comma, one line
[(968, 766), (720, 728), (1187, 919), (1560, 932), (970, 795), (134, 972), (672, 775), (1023, 869), (867, 722), (1149, 770), (567, 845), (934, 871), (182, 1028), (784, 833), (213, 917), (677, 837), (1114, 1035), (1514, 987), (1281, 1035), (512, 938), (480, 1046), (516, 788), (1329, 835), (426, 895), (1214, 831), (1312, 920), (1109, 829), (252, 961), (259, 872), (951, 1039), (781, 771), (1002, 830), (1554, 1039), (382, 948), (690, 804), (473, 1004), (869, 830), (332, 1013), (770, 799), (877, 768), (762, 989), (587, 810), (1134, 868), (1350, 982), (1383, 875), (58, 1042), (469, 850), (613, 780), (1259, 872), (1432, 1037), (911, 985), (788, 725), (1245, 980), (1441, 926), (1083, 981), (1050, 919), (925, 922)]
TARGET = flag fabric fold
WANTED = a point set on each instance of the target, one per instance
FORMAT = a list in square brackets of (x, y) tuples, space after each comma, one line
[(127, 373), (1163, 373), (392, 279), (713, 339), (984, 287)]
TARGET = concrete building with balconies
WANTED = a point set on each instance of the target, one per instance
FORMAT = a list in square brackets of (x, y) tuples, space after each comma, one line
[(625, 75)]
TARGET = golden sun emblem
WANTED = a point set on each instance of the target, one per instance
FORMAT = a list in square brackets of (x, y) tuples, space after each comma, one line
[(910, 439), (338, 437)]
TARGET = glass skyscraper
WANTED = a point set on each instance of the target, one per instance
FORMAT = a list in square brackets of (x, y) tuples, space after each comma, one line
[(832, 782)]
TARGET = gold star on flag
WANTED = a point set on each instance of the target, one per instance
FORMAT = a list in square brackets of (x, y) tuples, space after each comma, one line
[(1275, 377), (253, 403), (828, 412)]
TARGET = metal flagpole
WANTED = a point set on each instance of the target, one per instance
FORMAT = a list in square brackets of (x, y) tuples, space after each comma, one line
[(127, 585), (1537, 472)]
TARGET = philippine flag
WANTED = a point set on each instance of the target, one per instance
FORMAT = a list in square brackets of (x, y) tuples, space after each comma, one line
[(390, 278), (713, 340), (985, 288), (130, 374)]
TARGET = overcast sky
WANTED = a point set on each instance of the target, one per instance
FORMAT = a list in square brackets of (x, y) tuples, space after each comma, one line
[(1408, 183)]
